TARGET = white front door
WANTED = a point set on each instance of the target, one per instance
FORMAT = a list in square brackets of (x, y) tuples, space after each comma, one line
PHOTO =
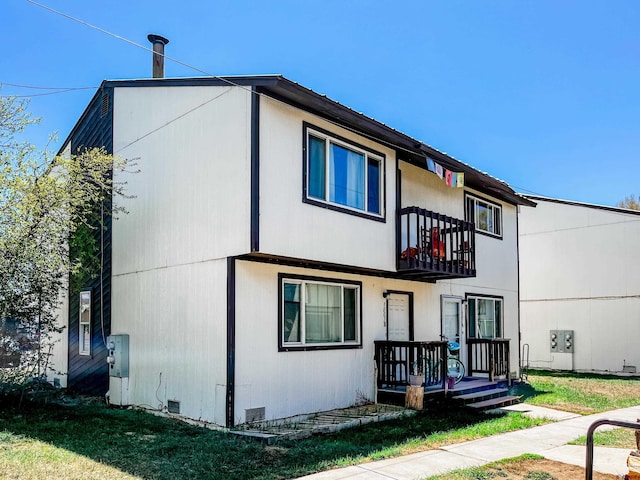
[(452, 324), (398, 317)]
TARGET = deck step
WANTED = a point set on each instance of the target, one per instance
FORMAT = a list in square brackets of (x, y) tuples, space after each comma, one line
[(495, 402), (478, 396)]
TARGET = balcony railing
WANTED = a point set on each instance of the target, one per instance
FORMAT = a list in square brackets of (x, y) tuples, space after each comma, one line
[(396, 360), (435, 246), (490, 356)]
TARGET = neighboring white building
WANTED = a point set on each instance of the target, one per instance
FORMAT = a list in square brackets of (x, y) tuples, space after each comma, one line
[(579, 275), (273, 237)]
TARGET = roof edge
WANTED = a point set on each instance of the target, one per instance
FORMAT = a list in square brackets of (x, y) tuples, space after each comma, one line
[(277, 86), (539, 198)]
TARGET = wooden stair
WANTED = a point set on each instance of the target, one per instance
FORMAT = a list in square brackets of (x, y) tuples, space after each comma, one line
[(482, 394)]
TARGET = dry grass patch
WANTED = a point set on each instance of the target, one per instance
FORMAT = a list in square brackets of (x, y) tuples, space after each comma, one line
[(28, 459), (527, 467), (580, 393)]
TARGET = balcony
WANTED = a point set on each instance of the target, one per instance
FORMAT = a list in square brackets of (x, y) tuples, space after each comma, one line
[(432, 246)]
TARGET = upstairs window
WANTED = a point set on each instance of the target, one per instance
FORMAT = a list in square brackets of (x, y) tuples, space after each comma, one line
[(486, 215), (343, 175)]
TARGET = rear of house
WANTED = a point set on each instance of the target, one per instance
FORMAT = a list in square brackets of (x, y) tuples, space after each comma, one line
[(580, 286), (278, 244)]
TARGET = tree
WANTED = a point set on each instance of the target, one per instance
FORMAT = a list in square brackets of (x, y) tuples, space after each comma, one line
[(631, 202), (47, 203)]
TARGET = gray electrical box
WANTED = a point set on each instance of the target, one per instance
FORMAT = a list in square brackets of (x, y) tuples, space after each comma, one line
[(118, 355), (562, 341)]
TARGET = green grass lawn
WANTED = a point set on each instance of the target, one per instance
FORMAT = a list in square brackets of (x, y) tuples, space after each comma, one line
[(616, 438), (579, 393), (93, 441), (86, 442)]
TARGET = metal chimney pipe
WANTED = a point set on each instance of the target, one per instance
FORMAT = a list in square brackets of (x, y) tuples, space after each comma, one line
[(158, 43)]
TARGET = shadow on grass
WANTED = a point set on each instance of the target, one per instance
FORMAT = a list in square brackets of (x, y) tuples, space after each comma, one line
[(150, 447), (584, 375), (526, 391)]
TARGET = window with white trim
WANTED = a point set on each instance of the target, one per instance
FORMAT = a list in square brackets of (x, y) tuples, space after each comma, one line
[(486, 215), (485, 317), (84, 340), (342, 174), (319, 313)]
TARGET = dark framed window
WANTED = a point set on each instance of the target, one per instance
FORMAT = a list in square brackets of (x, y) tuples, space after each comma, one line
[(486, 215), (84, 337), (318, 313), (485, 316), (342, 175)]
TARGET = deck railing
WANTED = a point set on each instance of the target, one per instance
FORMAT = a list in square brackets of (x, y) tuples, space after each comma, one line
[(397, 360), (435, 245), (490, 356)]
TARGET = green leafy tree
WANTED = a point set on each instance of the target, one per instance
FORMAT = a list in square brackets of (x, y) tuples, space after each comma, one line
[(47, 204), (631, 202)]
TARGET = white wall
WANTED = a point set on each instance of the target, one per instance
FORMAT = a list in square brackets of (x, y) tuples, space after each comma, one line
[(176, 321), (192, 195), (291, 228), (579, 272), (191, 210), (292, 383), (58, 364)]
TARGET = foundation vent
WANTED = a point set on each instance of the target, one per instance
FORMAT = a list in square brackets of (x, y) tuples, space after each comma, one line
[(173, 406), (254, 414)]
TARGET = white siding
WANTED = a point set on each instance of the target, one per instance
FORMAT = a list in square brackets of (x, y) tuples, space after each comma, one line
[(292, 383), (58, 364), (191, 209), (192, 195), (579, 271), (291, 228), (176, 321)]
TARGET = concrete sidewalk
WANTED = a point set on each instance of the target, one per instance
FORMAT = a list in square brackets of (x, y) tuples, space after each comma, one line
[(549, 441)]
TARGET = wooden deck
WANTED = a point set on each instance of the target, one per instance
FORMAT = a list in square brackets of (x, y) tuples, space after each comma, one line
[(470, 391)]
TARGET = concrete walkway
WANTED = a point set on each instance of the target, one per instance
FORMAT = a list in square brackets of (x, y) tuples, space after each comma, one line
[(549, 441)]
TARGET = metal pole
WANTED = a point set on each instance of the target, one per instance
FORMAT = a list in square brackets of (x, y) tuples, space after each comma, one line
[(588, 475)]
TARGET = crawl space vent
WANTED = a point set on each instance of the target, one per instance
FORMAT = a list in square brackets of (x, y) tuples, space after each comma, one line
[(254, 414), (173, 406)]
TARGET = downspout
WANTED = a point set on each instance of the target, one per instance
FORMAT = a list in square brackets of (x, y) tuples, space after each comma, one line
[(518, 268), (231, 342)]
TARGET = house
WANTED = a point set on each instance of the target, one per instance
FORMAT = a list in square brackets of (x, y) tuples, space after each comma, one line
[(580, 286), (275, 236)]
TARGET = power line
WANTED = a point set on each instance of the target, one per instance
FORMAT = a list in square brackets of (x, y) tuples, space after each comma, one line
[(38, 88), (126, 40), (174, 119), (57, 91)]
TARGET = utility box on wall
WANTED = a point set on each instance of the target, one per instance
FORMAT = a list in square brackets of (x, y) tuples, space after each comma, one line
[(118, 355), (561, 341)]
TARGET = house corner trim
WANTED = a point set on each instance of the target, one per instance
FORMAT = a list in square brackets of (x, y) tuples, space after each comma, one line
[(231, 341), (255, 170)]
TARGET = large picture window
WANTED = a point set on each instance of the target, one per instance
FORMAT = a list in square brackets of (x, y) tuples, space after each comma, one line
[(486, 215), (485, 317), (318, 313), (341, 174)]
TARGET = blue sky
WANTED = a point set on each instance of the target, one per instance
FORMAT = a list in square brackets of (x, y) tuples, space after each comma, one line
[(543, 94)]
